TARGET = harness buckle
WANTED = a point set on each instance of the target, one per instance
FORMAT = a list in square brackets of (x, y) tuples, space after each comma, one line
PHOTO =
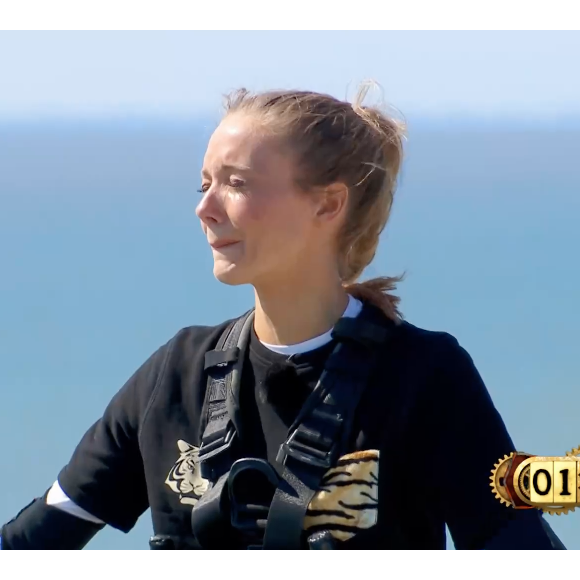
[(310, 446), (220, 443)]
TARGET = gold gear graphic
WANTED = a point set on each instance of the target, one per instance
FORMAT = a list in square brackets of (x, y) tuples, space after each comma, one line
[(524, 482), (496, 479), (564, 509)]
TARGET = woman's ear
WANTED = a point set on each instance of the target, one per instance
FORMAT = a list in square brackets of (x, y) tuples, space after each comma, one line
[(331, 202)]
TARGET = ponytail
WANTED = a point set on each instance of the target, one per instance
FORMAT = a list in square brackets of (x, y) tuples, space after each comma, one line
[(377, 292)]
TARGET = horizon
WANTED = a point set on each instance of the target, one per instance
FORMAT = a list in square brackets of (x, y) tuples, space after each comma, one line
[(442, 119)]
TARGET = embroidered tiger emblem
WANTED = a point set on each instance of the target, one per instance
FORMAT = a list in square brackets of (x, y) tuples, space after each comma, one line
[(185, 477), (347, 501)]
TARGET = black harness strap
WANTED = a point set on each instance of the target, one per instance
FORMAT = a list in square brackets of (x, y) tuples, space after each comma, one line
[(224, 376), (321, 431)]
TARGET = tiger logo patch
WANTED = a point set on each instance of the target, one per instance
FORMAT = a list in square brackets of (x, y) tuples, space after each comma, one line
[(185, 477), (347, 501)]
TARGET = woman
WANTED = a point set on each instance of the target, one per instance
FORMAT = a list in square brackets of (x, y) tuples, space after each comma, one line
[(296, 190)]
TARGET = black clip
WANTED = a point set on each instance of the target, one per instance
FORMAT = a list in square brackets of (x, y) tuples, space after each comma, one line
[(252, 484), (208, 450), (304, 451), (221, 358)]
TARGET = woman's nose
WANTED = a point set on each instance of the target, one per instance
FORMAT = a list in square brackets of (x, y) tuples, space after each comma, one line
[(210, 210)]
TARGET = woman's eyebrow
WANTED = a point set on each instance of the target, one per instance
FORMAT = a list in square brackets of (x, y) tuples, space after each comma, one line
[(228, 167)]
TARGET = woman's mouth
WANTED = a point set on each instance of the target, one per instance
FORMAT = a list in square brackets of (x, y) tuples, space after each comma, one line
[(220, 244)]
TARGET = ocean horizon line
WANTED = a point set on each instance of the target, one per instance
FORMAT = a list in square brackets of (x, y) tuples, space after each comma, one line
[(136, 119)]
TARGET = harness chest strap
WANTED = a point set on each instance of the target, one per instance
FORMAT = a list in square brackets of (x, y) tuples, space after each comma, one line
[(224, 367), (321, 432), (318, 436)]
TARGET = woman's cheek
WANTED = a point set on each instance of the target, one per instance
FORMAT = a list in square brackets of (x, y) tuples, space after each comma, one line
[(239, 210), (248, 211), (271, 215)]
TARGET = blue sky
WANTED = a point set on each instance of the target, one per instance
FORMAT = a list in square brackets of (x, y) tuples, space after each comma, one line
[(519, 74), (102, 258)]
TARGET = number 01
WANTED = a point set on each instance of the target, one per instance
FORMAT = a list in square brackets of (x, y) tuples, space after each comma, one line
[(554, 482)]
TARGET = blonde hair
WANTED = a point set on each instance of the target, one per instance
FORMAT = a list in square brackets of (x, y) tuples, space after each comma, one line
[(338, 142)]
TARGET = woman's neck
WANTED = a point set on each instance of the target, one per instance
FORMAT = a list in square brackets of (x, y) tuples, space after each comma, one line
[(291, 315)]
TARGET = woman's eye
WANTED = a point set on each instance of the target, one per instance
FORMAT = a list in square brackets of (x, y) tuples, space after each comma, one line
[(236, 183), (203, 189)]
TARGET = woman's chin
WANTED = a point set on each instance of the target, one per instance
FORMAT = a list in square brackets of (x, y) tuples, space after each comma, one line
[(229, 274)]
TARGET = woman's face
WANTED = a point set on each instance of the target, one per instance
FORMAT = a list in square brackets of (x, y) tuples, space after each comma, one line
[(259, 225)]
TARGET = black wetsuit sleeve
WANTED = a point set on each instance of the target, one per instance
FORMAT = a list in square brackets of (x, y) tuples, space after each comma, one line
[(105, 474), (469, 437)]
